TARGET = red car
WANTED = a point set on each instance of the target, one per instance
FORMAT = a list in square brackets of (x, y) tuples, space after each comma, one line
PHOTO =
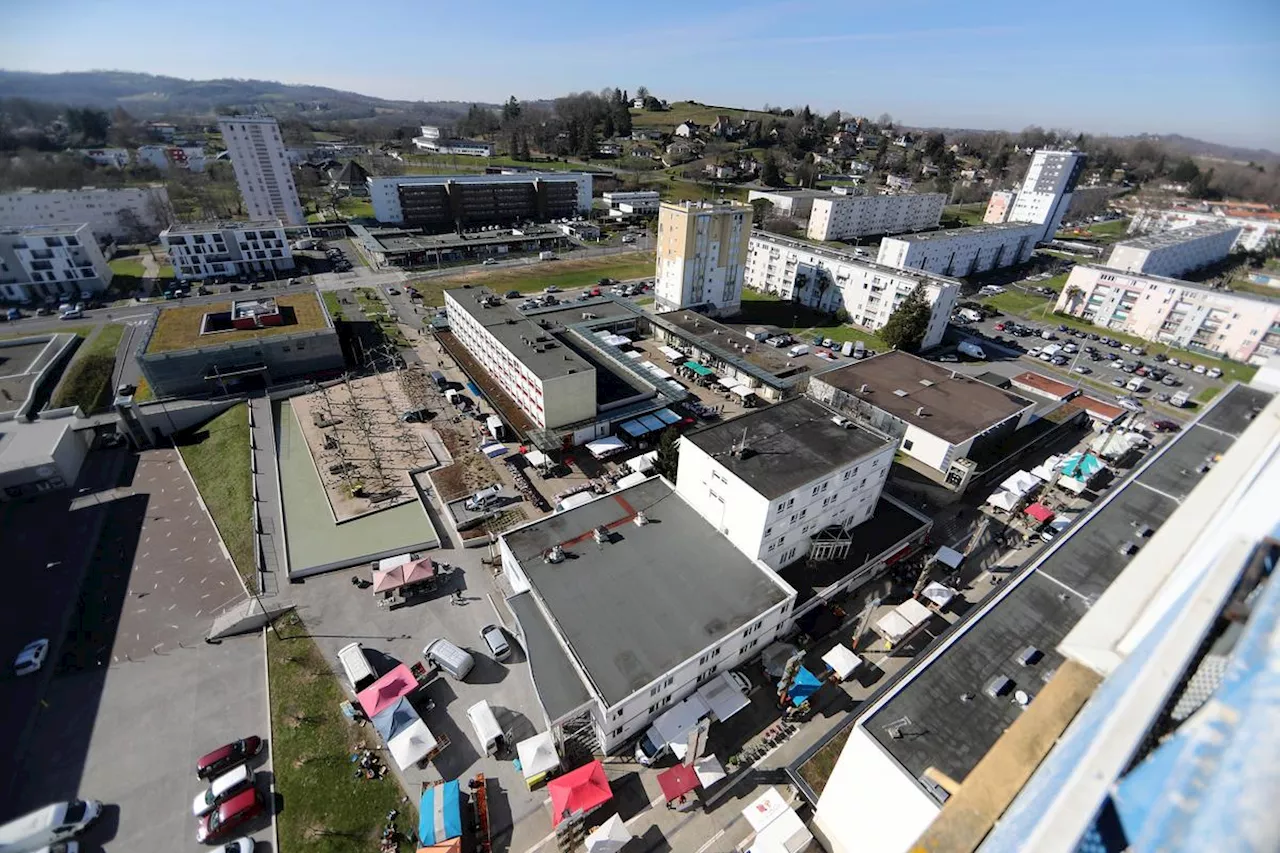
[(1165, 426), (230, 815), (999, 327), (228, 756)]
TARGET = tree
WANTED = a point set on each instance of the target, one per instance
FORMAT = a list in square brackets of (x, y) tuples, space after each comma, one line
[(668, 459), (510, 111), (762, 209), (642, 92), (1185, 172), (770, 174), (907, 325)]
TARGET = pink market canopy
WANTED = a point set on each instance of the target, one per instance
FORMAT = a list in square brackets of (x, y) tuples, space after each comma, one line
[(1039, 512), (386, 690), (385, 580)]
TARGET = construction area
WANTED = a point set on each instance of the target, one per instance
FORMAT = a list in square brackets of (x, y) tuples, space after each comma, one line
[(367, 437)]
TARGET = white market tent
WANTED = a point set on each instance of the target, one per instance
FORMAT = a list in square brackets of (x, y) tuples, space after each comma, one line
[(643, 463), (1071, 485), (938, 594), (412, 745), (609, 837), (630, 480), (743, 391), (727, 382), (673, 355), (537, 755), (709, 770), (602, 447), (902, 621), (785, 834), (1045, 470), (765, 809), (1019, 483), (536, 458), (842, 661), (949, 557), (1001, 499), (723, 697)]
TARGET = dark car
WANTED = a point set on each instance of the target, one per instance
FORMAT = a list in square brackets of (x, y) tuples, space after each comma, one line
[(231, 815), (513, 294), (1165, 426), (228, 756)]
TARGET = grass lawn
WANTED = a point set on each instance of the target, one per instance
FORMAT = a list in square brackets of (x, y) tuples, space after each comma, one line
[(130, 266), (679, 190), (328, 810), (1099, 232), (443, 164), (817, 770), (144, 392), (954, 215), (682, 111), (537, 276), (1207, 394), (1014, 301), (804, 323), (178, 327), (166, 270), (217, 455), (332, 304), (355, 208), (88, 380), (1243, 285)]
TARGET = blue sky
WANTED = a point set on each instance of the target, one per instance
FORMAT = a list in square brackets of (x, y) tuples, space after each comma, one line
[(1209, 70)]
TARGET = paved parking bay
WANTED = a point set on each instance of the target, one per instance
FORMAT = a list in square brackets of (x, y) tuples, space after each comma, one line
[(138, 696)]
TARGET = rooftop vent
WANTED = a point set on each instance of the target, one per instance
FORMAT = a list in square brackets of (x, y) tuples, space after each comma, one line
[(955, 375), (1030, 655), (555, 554), (1143, 530), (900, 393), (920, 411), (1022, 698), (641, 519), (863, 388), (601, 535), (966, 697), (1128, 549), (926, 383), (999, 686)]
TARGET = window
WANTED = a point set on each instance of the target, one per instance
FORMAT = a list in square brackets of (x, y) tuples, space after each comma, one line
[(906, 444), (616, 732)]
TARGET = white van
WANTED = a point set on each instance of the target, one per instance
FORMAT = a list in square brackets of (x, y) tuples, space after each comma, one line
[(48, 826), (485, 725), (1135, 384), (798, 350), (452, 659), (356, 666)]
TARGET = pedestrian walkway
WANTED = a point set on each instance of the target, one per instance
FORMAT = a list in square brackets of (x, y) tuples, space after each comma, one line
[(266, 493)]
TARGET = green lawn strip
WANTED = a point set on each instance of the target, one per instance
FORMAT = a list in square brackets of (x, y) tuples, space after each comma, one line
[(965, 214), (1243, 285), (804, 323), (535, 278), (217, 454), (1206, 394), (332, 304), (130, 266), (355, 208), (88, 380), (144, 392), (817, 770), (327, 808)]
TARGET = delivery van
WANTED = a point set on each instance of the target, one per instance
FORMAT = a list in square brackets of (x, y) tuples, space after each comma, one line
[(55, 823), (450, 658), (798, 350), (488, 733), (356, 666), (670, 730)]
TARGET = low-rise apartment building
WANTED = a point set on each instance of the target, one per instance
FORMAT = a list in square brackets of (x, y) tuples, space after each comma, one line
[(829, 279), (793, 204), (841, 216), (124, 213), (775, 480), (434, 141), (1175, 253), (962, 251), (1240, 326), (455, 202), (49, 262), (551, 383), (202, 250), (637, 203), (1257, 227), (701, 256)]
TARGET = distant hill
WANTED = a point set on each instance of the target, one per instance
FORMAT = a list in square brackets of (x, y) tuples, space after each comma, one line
[(1200, 148), (148, 96)]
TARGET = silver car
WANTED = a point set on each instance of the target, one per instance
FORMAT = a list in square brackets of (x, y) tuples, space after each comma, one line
[(496, 641)]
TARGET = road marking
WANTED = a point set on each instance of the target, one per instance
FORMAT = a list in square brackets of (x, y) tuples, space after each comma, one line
[(712, 840)]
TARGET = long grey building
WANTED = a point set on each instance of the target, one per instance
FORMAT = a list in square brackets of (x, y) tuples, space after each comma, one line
[(438, 203)]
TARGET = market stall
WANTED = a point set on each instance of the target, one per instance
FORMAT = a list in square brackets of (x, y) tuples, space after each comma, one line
[(609, 837), (937, 596), (900, 624), (412, 746), (607, 446), (804, 685), (723, 696), (440, 813), (1039, 512), (538, 758), (1003, 500), (842, 661), (579, 791), (777, 827), (386, 690), (678, 784), (709, 770), (394, 718), (405, 580)]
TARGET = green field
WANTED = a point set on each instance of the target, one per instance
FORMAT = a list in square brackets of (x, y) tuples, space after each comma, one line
[(329, 809), (130, 266), (536, 277), (802, 322), (682, 111), (355, 208), (444, 164), (217, 454), (87, 383), (958, 215), (1098, 232)]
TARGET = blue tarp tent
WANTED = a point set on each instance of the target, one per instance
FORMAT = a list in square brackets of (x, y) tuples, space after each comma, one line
[(635, 429), (805, 685), (394, 718), (652, 423), (667, 416), (440, 813)]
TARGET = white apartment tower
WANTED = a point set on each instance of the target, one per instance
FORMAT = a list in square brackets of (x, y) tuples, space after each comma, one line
[(262, 169), (1046, 191), (701, 256)]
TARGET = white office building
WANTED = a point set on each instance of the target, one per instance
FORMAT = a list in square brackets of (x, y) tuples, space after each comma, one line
[(830, 279), (262, 169), (962, 251), (47, 262), (999, 206), (433, 140), (1046, 191), (124, 213), (230, 249), (793, 204), (1257, 228), (1173, 253), (844, 217), (701, 256), (795, 475), (638, 203), (552, 384)]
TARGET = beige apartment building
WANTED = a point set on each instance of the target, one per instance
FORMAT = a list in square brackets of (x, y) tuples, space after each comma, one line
[(701, 256)]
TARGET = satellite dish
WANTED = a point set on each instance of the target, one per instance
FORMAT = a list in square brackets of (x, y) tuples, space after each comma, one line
[(1021, 697)]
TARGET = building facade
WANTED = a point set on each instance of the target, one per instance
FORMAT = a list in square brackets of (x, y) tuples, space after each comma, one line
[(49, 262), (227, 249), (552, 384), (772, 511), (454, 202), (1046, 191), (434, 141), (189, 157), (624, 204), (115, 157), (701, 256), (842, 216), (962, 251), (830, 279), (1257, 228), (999, 207), (124, 213), (794, 204), (262, 168), (1174, 253), (1240, 326)]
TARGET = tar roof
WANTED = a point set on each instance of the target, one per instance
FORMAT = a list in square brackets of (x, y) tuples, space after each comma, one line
[(525, 339), (970, 231), (771, 365), (559, 686), (956, 407), (228, 225), (1038, 608), (651, 598), (178, 328), (1164, 239), (789, 444)]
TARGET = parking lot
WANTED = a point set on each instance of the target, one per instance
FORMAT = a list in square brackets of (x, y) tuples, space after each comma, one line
[(138, 696)]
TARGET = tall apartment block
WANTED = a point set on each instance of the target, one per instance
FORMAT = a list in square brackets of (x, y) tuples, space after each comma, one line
[(840, 216), (701, 256), (1046, 191), (262, 169)]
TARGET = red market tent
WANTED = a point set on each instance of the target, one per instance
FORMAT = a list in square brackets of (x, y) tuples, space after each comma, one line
[(1039, 512), (580, 790), (419, 570), (386, 690), (384, 581), (677, 781)]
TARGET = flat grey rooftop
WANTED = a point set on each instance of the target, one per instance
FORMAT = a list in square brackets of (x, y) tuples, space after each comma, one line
[(970, 231), (546, 357), (560, 687), (651, 598), (955, 407), (800, 193), (790, 444), (229, 225), (1165, 239), (1041, 605)]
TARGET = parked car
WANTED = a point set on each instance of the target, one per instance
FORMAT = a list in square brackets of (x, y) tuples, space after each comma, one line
[(1165, 426), (225, 757), (496, 641), (1199, 369), (551, 288), (1081, 369), (31, 658), (230, 815), (240, 845), (1118, 382), (1213, 373), (490, 262), (513, 294), (223, 787)]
